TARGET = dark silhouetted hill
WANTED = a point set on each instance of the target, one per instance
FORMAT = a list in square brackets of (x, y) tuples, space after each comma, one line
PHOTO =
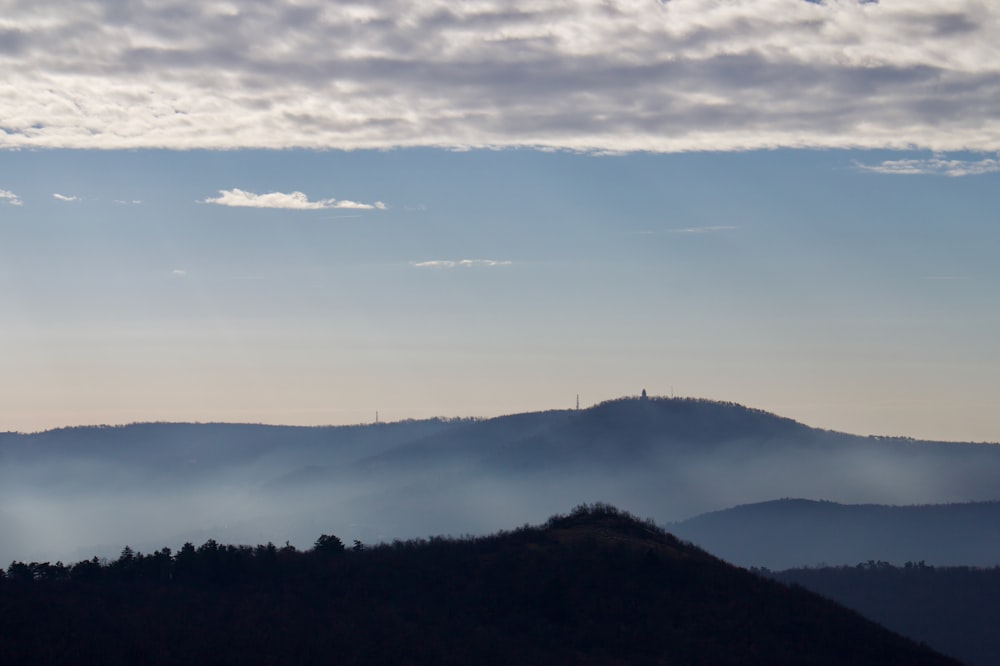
[(623, 432), (952, 609), (595, 587), (787, 533)]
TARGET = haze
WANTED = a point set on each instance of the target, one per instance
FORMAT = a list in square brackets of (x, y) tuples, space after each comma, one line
[(304, 213), (74, 493), (311, 213)]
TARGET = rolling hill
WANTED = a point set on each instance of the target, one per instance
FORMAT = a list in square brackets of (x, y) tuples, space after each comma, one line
[(594, 587), (72, 492), (787, 533)]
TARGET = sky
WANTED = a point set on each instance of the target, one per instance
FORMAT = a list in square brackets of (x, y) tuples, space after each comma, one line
[(305, 212)]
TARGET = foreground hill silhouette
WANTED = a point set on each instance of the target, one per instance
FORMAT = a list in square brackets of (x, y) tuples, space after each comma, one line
[(595, 587)]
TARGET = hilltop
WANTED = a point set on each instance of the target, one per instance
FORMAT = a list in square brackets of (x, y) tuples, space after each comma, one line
[(593, 587), (70, 492)]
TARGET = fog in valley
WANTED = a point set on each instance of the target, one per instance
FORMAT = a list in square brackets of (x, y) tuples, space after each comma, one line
[(75, 493)]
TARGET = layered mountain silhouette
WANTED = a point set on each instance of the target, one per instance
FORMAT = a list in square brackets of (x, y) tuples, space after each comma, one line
[(66, 493), (788, 533), (952, 609), (594, 587)]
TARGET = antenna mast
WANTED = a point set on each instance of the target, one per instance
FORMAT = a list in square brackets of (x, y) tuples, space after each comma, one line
[(577, 402)]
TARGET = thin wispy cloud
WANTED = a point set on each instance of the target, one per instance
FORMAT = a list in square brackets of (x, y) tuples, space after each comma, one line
[(460, 263), (702, 230), (286, 200), (935, 166), (589, 75), (178, 272), (6, 196), (127, 202), (64, 197)]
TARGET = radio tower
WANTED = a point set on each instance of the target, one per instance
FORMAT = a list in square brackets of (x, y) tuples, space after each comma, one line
[(577, 402)]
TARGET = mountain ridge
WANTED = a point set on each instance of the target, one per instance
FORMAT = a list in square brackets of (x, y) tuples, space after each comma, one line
[(672, 458), (795, 532)]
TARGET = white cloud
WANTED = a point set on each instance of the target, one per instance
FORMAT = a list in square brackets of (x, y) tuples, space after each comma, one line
[(10, 198), (935, 166), (460, 263), (288, 201), (64, 197), (345, 203), (178, 272), (596, 75), (703, 230), (127, 202)]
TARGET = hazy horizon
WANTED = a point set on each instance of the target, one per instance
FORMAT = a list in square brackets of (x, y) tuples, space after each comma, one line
[(380, 418), (65, 492), (304, 212)]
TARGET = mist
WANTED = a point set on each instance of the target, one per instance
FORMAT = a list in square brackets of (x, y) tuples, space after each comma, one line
[(77, 493)]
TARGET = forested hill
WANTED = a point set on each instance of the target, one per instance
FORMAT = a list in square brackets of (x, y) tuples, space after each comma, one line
[(622, 432), (594, 587), (70, 492)]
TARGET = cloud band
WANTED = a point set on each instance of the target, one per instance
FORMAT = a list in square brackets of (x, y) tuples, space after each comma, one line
[(590, 75)]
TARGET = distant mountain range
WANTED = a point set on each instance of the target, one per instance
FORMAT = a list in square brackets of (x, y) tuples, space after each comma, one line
[(71, 492), (788, 533)]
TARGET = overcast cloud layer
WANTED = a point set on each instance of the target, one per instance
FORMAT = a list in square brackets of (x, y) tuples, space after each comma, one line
[(604, 76)]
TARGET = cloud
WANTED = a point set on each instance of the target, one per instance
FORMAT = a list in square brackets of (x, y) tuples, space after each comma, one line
[(10, 198), (935, 166), (702, 230), (126, 202), (288, 201), (178, 272), (461, 263), (63, 197), (593, 75)]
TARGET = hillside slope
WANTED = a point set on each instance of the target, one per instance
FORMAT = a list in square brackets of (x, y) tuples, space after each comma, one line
[(953, 609), (595, 587)]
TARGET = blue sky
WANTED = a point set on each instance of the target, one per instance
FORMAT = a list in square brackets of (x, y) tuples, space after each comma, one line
[(306, 212)]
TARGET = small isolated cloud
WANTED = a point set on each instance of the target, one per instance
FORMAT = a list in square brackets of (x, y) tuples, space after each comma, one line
[(10, 198), (703, 230), (178, 272), (935, 166), (64, 197), (126, 202), (286, 200), (460, 263)]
